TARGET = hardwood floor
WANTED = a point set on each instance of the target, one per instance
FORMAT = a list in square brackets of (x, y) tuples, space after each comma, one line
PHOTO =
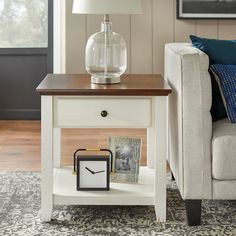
[(20, 143)]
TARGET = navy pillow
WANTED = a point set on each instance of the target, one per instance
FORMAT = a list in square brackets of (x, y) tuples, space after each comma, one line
[(226, 78), (218, 111), (219, 52)]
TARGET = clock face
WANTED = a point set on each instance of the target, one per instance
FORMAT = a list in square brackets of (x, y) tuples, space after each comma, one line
[(93, 173)]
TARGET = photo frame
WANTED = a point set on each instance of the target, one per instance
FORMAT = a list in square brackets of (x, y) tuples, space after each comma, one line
[(206, 9), (126, 157)]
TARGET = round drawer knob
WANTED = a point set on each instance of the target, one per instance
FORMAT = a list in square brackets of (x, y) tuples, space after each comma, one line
[(104, 113)]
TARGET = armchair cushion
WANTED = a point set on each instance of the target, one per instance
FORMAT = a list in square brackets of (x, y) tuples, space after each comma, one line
[(224, 150)]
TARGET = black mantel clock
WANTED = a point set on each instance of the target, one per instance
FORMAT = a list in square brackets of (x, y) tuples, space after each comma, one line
[(93, 172)]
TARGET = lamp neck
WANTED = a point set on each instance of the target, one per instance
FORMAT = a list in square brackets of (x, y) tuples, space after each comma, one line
[(106, 25)]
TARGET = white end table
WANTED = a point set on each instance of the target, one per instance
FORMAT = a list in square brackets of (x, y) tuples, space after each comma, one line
[(71, 101)]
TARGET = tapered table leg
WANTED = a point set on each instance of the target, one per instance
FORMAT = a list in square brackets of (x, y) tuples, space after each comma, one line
[(57, 147), (161, 133), (46, 157)]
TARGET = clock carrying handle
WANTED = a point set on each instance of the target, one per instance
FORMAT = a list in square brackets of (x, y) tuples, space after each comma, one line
[(89, 149)]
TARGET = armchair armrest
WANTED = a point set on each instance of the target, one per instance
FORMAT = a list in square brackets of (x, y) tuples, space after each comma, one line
[(186, 70)]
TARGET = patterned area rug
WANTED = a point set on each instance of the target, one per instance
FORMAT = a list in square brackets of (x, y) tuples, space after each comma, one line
[(20, 214)]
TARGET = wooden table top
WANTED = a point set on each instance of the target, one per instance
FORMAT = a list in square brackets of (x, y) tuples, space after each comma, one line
[(131, 85)]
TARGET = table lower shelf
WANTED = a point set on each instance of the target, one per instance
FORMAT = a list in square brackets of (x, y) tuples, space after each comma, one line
[(142, 193)]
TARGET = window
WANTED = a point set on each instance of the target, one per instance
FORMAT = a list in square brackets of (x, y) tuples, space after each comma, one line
[(23, 23)]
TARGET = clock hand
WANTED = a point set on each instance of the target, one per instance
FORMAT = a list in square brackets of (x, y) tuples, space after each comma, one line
[(90, 170), (96, 172)]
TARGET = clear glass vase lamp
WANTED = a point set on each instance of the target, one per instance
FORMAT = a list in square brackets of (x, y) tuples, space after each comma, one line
[(106, 53)]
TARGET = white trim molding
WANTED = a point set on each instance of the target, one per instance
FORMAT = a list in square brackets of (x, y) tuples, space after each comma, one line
[(59, 18)]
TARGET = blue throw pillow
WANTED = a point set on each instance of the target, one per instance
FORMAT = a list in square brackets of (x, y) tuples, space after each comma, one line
[(219, 52), (226, 78), (218, 111)]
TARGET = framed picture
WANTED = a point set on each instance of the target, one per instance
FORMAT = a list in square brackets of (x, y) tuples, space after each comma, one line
[(126, 154), (206, 9)]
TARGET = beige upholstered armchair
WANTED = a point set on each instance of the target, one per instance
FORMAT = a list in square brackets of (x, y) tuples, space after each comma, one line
[(202, 154)]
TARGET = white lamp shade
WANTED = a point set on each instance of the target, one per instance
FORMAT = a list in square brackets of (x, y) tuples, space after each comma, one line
[(107, 6)]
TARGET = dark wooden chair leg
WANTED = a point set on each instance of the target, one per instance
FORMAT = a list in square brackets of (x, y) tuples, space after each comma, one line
[(193, 212), (172, 176)]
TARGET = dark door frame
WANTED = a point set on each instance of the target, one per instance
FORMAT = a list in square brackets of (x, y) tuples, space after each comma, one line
[(47, 52)]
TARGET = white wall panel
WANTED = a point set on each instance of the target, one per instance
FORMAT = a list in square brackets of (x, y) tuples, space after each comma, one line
[(163, 31), (75, 40), (141, 40), (207, 28), (121, 25), (183, 28), (227, 29), (93, 24), (145, 34)]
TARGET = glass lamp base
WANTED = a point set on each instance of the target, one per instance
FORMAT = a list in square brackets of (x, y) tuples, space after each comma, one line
[(102, 80)]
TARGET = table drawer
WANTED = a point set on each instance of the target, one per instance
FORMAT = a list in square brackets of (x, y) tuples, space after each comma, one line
[(91, 112)]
